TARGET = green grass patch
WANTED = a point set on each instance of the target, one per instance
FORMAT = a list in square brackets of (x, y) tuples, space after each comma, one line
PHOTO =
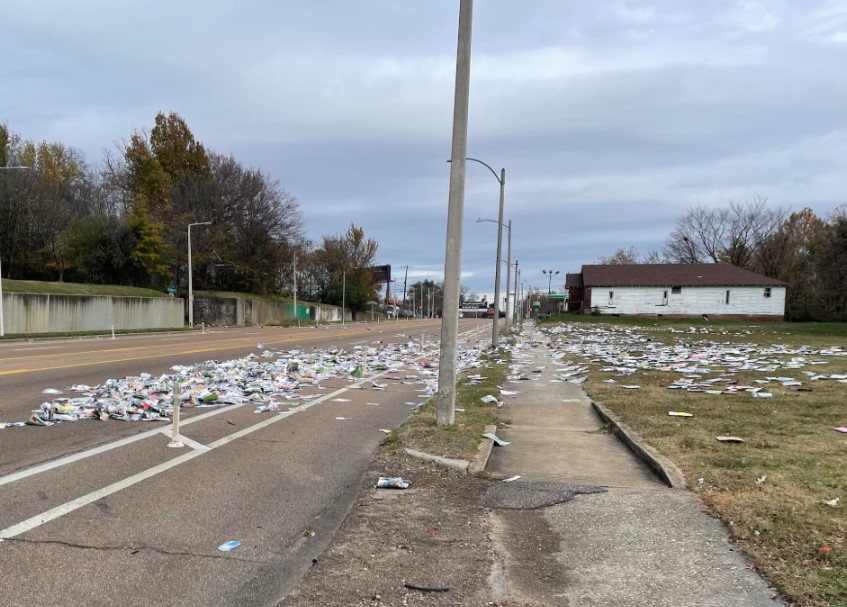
[(71, 288), (782, 523), (461, 440)]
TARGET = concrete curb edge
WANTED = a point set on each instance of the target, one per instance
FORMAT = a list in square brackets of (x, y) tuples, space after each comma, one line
[(483, 452), (664, 468), (455, 464)]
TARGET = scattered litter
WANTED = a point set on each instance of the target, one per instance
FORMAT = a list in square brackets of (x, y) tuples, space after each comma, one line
[(490, 398), (761, 479), (51, 391), (269, 408), (833, 503), (392, 482), (497, 440), (701, 480), (512, 478), (840, 429), (342, 419), (729, 439), (231, 545), (631, 387), (341, 400), (762, 395), (680, 414), (386, 430)]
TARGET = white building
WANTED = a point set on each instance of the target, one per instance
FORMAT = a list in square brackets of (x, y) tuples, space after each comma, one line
[(674, 290)]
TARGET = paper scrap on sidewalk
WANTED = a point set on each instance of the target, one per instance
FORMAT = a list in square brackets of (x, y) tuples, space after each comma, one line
[(497, 440), (512, 478), (231, 545)]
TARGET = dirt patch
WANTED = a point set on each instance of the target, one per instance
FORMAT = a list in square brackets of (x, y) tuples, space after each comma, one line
[(426, 545)]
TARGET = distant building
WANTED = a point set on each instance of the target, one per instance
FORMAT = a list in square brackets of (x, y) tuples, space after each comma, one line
[(675, 290)]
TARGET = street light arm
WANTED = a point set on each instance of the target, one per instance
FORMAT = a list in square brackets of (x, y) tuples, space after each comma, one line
[(494, 221), (500, 179)]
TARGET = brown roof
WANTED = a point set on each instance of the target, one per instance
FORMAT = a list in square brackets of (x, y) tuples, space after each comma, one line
[(673, 275)]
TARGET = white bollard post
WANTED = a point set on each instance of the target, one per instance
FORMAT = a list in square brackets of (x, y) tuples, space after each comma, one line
[(203, 326), (175, 442), (113, 331)]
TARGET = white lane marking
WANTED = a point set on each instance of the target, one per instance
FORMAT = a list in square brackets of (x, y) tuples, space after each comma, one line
[(31, 348), (188, 442), (15, 476), (58, 511)]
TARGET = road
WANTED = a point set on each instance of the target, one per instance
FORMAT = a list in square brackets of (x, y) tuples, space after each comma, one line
[(104, 513)]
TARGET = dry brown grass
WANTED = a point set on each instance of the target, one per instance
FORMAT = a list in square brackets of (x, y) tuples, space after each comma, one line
[(781, 523)]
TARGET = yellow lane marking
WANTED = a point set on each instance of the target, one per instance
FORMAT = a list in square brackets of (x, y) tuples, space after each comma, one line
[(120, 360)]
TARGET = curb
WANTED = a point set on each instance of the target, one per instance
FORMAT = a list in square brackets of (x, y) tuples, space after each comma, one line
[(454, 464), (664, 468), (483, 452), (474, 468)]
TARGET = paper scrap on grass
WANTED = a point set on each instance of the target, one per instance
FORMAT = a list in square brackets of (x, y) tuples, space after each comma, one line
[(497, 440), (840, 429), (680, 414), (631, 387), (729, 439)]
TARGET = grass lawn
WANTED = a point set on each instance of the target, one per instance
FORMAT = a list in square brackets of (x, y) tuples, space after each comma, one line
[(783, 491), (72, 288)]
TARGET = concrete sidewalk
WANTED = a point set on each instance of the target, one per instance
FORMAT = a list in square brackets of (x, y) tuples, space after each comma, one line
[(640, 543)]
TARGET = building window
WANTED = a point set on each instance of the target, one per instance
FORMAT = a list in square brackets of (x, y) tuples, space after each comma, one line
[(767, 292), (676, 290), (727, 297)]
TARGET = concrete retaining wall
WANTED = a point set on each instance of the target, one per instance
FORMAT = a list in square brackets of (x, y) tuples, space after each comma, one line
[(37, 313), (233, 312)]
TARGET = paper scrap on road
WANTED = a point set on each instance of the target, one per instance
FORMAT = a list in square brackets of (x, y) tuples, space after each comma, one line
[(231, 545)]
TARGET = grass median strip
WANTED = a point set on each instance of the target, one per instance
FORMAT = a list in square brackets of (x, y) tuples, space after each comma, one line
[(782, 491), (459, 441)]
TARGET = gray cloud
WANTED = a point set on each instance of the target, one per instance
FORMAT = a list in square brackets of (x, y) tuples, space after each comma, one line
[(611, 118)]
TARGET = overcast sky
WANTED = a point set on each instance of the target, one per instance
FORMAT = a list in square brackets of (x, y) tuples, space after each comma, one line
[(610, 118)]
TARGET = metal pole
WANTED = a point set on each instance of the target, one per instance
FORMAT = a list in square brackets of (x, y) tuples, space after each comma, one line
[(453, 247), (297, 316), (508, 278), (343, 294), (515, 296), (495, 330)]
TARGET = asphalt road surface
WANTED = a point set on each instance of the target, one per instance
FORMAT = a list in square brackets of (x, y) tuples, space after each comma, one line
[(105, 513)]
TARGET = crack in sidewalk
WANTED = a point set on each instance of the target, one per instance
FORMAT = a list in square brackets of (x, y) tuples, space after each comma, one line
[(133, 549)]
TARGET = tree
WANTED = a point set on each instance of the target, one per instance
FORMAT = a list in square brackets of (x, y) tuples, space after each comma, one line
[(731, 235), (148, 257), (349, 254), (620, 257)]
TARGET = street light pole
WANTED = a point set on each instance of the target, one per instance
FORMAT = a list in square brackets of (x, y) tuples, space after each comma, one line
[(550, 273), (508, 261), (190, 283), (343, 294)]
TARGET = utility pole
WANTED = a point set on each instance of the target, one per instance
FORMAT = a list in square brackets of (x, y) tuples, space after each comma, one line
[(508, 277), (297, 316), (453, 250)]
